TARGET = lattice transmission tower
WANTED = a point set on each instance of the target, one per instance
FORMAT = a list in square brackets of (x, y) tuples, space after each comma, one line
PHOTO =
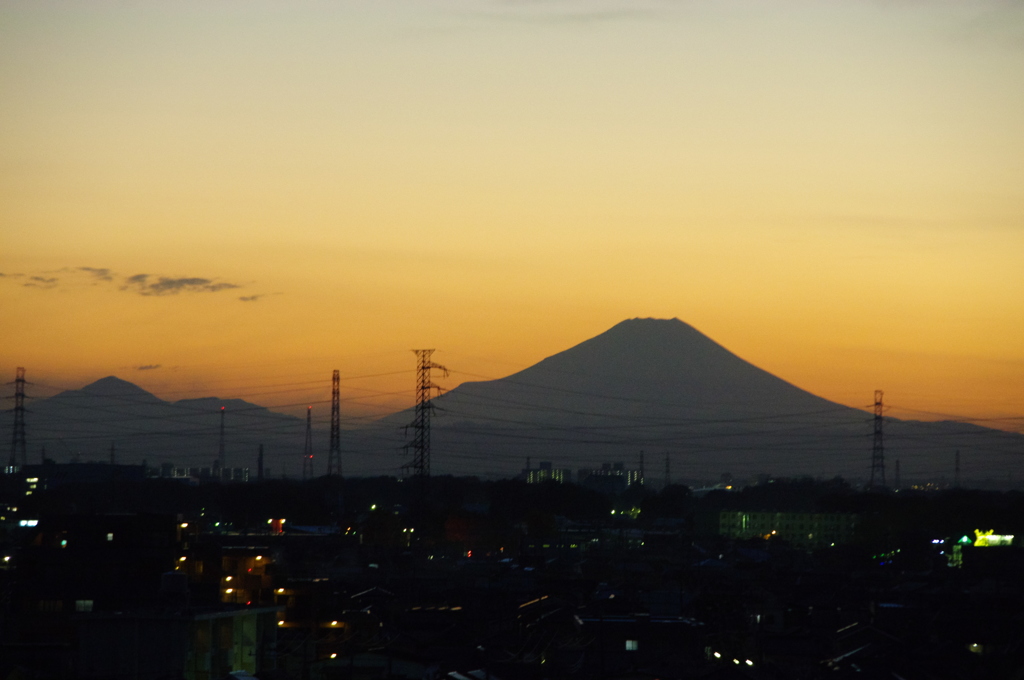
[(878, 447), (419, 466), (334, 454), (18, 454)]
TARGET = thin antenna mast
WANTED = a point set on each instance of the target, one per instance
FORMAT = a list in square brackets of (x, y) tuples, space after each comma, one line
[(878, 447), (307, 456), (221, 461), (334, 454)]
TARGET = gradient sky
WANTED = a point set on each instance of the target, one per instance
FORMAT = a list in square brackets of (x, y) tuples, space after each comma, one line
[(235, 198)]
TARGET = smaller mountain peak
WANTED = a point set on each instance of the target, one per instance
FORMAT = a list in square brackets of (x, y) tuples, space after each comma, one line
[(112, 386)]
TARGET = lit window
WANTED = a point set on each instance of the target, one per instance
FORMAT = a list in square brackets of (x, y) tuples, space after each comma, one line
[(632, 645), (51, 605), (110, 537), (83, 605)]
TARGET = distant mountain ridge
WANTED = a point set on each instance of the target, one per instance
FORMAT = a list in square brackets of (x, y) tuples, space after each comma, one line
[(83, 424), (661, 387), (656, 387)]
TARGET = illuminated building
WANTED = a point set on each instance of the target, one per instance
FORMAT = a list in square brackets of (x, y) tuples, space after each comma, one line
[(610, 478), (805, 529), (546, 473)]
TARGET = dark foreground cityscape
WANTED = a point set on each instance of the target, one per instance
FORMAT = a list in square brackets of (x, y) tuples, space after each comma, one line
[(110, 571)]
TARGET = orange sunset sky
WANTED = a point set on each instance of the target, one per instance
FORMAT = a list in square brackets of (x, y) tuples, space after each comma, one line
[(235, 198)]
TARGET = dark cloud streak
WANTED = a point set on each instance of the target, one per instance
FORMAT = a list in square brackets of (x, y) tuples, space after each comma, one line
[(164, 285), (141, 284), (101, 273), (41, 282)]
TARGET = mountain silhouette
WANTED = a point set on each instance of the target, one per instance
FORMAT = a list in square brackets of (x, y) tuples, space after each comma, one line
[(82, 425), (653, 386), (112, 386), (661, 387)]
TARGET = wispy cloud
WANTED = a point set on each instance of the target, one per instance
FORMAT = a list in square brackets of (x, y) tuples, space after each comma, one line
[(45, 282), (148, 367), (149, 285), (251, 298), (144, 284), (100, 273)]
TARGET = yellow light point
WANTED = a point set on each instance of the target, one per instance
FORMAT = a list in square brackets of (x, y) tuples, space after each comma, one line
[(334, 655), (229, 590), (181, 559), (334, 623), (184, 525), (228, 578), (280, 590), (981, 537), (280, 623)]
